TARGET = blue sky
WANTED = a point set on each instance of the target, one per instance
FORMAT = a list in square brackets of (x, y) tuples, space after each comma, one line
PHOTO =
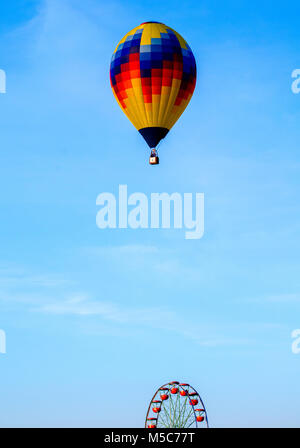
[(97, 319)]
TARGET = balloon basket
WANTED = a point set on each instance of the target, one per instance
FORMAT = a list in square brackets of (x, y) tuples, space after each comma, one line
[(154, 160)]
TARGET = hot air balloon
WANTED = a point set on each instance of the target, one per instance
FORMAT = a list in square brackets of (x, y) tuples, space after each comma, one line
[(153, 77)]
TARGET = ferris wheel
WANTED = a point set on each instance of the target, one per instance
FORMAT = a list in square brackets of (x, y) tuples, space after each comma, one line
[(176, 405)]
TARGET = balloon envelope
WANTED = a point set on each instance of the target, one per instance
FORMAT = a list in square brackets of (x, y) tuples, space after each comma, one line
[(153, 77)]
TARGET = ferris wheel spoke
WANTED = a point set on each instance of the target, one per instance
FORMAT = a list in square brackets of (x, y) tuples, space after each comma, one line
[(169, 409), (161, 418), (192, 422), (179, 415), (190, 414), (175, 413), (172, 411), (183, 411), (165, 416)]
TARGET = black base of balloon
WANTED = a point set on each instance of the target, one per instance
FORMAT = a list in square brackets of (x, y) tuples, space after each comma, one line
[(153, 135)]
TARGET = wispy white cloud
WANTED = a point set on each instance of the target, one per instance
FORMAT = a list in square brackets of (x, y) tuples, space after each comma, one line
[(20, 285), (53, 296), (129, 249), (22, 279), (150, 258), (276, 298), (65, 50), (284, 298), (205, 335), (17, 276), (79, 305), (50, 295)]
